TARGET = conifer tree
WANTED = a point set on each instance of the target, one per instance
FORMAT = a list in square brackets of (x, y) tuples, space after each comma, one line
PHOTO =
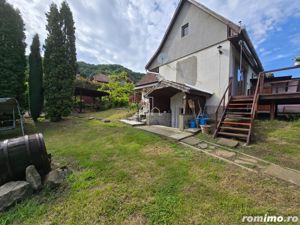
[(59, 62), (36, 98), (56, 81), (12, 52)]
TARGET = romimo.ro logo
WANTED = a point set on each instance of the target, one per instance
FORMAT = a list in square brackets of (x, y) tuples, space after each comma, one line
[(270, 219)]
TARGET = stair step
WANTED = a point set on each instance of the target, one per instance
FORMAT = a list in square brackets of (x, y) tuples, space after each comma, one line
[(239, 113), (236, 123), (239, 104), (233, 134), (245, 108), (238, 118), (235, 128), (242, 100)]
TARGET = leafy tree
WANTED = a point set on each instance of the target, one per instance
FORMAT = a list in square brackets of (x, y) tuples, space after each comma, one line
[(12, 52), (36, 97), (119, 90), (59, 62)]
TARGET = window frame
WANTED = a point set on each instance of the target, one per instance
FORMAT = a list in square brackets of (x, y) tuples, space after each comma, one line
[(185, 30)]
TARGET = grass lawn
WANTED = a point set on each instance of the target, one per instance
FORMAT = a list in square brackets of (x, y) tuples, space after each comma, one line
[(123, 175), (277, 141)]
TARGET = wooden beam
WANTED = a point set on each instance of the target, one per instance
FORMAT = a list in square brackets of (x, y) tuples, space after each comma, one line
[(272, 111)]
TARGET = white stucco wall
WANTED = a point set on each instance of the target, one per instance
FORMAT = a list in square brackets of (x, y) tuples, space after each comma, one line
[(213, 72), (204, 30)]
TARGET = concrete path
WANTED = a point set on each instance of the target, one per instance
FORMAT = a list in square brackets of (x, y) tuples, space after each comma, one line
[(132, 122), (168, 132)]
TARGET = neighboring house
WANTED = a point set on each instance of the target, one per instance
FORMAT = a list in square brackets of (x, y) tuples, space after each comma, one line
[(142, 87), (198, 56), (101, 78)]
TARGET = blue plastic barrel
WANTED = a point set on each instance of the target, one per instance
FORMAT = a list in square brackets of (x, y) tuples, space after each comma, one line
[(192, 124), (203, 121)]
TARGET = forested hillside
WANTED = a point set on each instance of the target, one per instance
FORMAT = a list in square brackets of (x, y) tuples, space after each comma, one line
[(88, 70)]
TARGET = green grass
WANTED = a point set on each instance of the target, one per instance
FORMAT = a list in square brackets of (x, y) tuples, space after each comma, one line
[(277, 141), (122, 175)]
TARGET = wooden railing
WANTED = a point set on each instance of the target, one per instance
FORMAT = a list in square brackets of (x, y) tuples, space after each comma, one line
[(225, 98), (259, 89)]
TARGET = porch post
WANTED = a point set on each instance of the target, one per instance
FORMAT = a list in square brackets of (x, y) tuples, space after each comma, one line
[(273, 111)]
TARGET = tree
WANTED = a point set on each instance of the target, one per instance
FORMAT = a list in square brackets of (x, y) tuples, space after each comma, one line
[(119, 90), (12, 53), (59, 62), (36, 98), (56, 81)]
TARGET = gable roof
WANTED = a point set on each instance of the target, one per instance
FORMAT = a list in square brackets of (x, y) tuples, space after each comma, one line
[(101, 78), (236, 28), (149, 78)]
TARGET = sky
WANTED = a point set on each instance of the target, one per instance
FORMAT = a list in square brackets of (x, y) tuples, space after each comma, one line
[(128, 32)]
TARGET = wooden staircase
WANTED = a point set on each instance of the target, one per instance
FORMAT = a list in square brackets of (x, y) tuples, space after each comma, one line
[(238, 113), (236, 121)]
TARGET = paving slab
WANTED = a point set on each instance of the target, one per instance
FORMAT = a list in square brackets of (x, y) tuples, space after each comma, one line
[(191, 140), (244, 162), (132, 122), (228, 142), (202, 145), (283, 173), (169, 132), (193, 130), (224, 153), (248, 159)]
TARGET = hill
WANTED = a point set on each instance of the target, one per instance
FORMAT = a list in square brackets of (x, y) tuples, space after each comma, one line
[(88, 70)]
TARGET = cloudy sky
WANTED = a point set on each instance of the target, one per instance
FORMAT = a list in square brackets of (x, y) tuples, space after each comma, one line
[(128, 32)]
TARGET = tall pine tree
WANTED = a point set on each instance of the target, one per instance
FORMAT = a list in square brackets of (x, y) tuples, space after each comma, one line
[(59, 62), (12, 52), (36, 98)]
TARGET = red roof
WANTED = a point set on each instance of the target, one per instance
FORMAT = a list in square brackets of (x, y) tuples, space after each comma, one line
[(149, 78), (101, 78)]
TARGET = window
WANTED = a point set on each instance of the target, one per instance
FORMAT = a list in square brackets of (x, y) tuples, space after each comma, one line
[(185, 30)]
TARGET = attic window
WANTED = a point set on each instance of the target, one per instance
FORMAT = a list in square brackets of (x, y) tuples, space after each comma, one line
[(185, 30)]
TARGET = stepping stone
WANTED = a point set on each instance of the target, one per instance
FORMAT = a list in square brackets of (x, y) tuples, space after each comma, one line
[(191, 141), (284, 174), (203, 145), (248, 159), (238, 161), (225, 154), (212, 147), (228, 142)]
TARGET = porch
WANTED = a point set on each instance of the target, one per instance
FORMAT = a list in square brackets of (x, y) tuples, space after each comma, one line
[(173, 104)]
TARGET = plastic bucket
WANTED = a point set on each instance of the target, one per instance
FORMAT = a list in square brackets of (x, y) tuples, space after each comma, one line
[(192, 124)]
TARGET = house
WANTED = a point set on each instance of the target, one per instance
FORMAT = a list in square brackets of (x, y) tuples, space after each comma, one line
[(101, 78), (148, 81), (198, 56), (206, 63)]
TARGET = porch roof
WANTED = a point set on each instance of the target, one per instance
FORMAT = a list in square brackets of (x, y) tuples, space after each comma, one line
[(171, 88)]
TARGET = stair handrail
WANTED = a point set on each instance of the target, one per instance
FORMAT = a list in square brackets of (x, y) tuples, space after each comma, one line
[(258, 90), (223, 100)]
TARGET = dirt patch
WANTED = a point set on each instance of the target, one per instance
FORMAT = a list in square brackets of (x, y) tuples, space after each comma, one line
[(135, 219), (157, 149)]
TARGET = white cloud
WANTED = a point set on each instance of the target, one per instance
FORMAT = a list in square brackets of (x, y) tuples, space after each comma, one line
[(128, 32)]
